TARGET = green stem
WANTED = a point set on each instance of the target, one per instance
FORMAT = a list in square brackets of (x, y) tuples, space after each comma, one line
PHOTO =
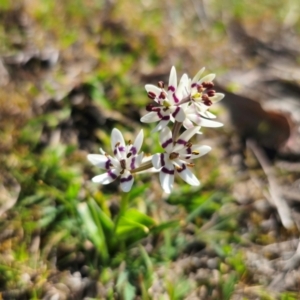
[(185, 100), (123, 208), (145, 166), (176, 130)]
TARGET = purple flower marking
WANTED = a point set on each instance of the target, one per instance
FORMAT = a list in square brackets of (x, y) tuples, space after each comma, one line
[(107, 164), (176, 111), (176, 100), (167, 171), (111, 174), (132, 164), (166, 143), (181, 142), (133, 150), (171, 88), (125, 179), (162, 159)]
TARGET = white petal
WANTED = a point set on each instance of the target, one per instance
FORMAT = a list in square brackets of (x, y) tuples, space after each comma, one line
[(178, 113), (138, 141), (161, 125), (207, 78), (166, 180), (204, 122), (172, 80), (185, 84), (184, 80), (187, 123), (116, 137), (200, 107), (156, 160), (98, 160), (202, 149), (217, 97), (166, 140), (138, 159), (153, 89), (150, 117), (106, 178), (207, 114), (126, 181), (134, 161), (197, 76), (185, 137), (188, 177), (210, 123)]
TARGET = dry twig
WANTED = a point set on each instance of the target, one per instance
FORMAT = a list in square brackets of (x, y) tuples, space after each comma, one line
[(276, 197)]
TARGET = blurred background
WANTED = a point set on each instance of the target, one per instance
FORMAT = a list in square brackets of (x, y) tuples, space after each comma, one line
[(70, 72)]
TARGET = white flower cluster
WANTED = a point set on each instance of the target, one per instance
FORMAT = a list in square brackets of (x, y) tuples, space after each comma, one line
[(184, 104)]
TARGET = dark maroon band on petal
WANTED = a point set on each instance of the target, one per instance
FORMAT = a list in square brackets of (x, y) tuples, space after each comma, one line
[(175, 98), (167, 171), (174, 114), (133, 150), (125, 179), (194, 84), (167, 142), (112, 175), (120, 148), (132, 164), (107, 164), (162, 159), (162, 117), (181, 142), (188, 150), (171, 88)]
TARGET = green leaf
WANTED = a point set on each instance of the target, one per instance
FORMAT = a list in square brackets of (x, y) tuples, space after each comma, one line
[(136, 216), (98, 214), (133, 224), (161, 227), (129, 229), (124, 287), (94, 230)]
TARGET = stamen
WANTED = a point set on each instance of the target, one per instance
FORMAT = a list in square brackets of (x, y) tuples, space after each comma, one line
[(195, 152), (206, 100), (208, 85), (149, 107), (200, 88), (161, 84), (129, 154), (162, 95), (211, 93), (123, 164), (151, 95), (191, 165), (126, 178), (173, 155)]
